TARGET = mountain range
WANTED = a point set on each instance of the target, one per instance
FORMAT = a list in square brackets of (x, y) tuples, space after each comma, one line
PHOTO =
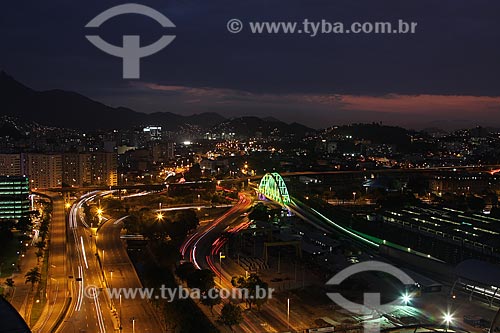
[(68, 109)]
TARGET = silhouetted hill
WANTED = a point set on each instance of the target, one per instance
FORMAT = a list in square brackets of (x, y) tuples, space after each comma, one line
[(250, 126), (71, 110), (376, 133)]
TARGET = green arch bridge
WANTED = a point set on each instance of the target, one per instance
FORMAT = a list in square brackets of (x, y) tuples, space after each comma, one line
[(273, 187)]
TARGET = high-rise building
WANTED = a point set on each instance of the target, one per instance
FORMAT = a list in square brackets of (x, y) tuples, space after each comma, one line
[(162, 152), (11, 165), (104, 169), (77, 169), (152, 133), (44, 170), (72, 169), (83, 169), (14, 197)]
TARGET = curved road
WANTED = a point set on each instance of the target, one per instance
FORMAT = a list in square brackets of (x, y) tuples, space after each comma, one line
[(203, 248)]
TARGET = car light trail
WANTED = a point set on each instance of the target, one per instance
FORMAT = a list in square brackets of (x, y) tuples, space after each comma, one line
[(100, 319), (83, 252), (79, 300)]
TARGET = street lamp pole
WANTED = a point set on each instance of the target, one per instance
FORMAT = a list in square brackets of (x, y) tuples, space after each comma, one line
[(288, 312), (220, 264), (121, 313)]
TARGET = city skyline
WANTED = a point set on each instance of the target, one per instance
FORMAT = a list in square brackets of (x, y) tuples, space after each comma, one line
[(250, 167)]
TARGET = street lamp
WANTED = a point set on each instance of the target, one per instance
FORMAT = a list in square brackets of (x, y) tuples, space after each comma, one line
[(120, 313), (406, 298), (159, 216), (288, 312), (354, 196), (448, 318), (221, 256), (99, 214)]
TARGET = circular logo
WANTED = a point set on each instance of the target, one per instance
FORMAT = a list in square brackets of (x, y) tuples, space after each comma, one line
[(234, 26)]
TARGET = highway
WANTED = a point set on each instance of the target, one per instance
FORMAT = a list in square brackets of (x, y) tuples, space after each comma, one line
[(199, 244), (57, 280), (203, 248), (98, 260), (90, 311), (133, 312)]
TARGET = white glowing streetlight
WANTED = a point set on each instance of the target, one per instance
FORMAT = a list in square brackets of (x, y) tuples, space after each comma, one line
[(288, 312), (406, 298), (448, 319)]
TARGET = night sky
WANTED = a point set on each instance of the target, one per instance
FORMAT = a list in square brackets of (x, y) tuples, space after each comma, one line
[(447, 74)]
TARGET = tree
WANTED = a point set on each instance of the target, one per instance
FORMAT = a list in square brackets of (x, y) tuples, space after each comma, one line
[(113, 204), (156, 230), (252, 283), (33, 276), (194, 173), (40, 245), (39, 254), (260, 213), (211, 299), (10, 284), (185, 270), (44, 228), (24, 224), (188, 218), (171, 315), (230, 315), (202, 279), (133, 224), (169, 254)]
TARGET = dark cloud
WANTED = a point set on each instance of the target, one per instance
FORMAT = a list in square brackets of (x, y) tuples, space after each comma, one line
[(454, 52)]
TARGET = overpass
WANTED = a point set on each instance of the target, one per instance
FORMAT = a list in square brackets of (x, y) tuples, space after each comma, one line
[(273, 187), (491, 169)]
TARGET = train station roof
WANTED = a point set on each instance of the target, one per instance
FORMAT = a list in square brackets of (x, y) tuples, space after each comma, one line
[(480, 272)]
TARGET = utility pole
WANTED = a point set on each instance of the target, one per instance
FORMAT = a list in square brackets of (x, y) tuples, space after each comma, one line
[(288, 312), (221, 256)]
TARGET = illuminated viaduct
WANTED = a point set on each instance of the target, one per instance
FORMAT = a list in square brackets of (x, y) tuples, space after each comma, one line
[(273, 187)]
